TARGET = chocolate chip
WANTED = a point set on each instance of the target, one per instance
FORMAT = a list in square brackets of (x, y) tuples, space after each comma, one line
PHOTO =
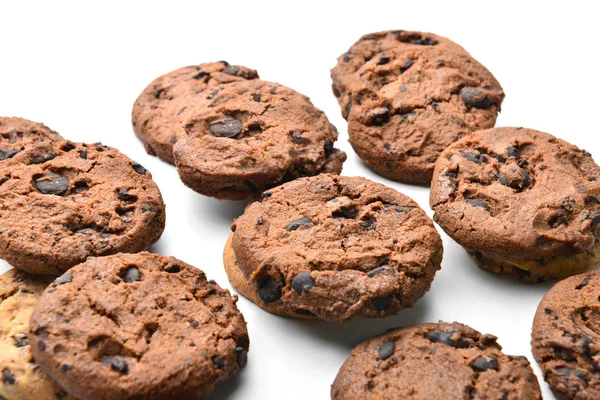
[(219, 362), (471, 157), (368, 223), (137, 168), (345, 212), (64, 278), (232, 70), (386, 350), (119, 366), (43, 158), (503, 179), (173, 268), (513, 152), (7, 377), (349, 105), (407, 64), (52, 184), (302, 283), (377, 271), (483, 364), (124, 195), (415, 38), (298, 223), (131, 274), (402, 88), (383, 59), (256, 97), (583, 284), (265, 195), (226, 126), (387, 146), (21, 339), (241, 357), (474, 97), (441, 63), (380, 117), (328, 148), (478, 203), (382, 303), (6, 154), (260, 221), (446, 338), (269, 290), (298, 139), (201, 74), (567, 203), (595, 217), (526, 178)]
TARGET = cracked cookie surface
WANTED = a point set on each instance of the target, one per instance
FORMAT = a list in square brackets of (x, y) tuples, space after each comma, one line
[(521, 201), (66, 202), (565, 338), (407, 96), (21, 376), (253, 135), (333, 247), (18, 134), (138, 326), (155, 111), (434, 361)]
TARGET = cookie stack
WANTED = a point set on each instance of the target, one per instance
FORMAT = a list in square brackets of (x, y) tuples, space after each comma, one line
[(116, 322)]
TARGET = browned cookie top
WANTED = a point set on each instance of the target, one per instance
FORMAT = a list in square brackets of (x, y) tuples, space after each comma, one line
[(18, 134), (434, 361), (138, 326), (155, 110), (566, 337), (376, 45), (253, 135), (333, 247), (517, 194), (62, 204), (409, 103)]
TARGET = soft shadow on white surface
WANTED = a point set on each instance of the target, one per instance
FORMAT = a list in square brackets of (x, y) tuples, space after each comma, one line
[(227, 389), (221, 211)]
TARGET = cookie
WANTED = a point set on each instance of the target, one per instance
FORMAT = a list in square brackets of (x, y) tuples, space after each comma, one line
[(565, 338), (333, 247), (21, 376), (413, 95), (155, 110), (434, 361), (18, 134), (138, 326), (253, 135), (522, 202), (62, 204)]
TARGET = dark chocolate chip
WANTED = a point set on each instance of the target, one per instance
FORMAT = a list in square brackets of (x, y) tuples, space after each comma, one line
[(298, 223), (328, 148), (483, 364), (201, 74), (219, 362), (349, 105), (503, 179), (526, 178), (173, 268), (595, 217), (345, 212), (52, 184), (387, 146), (119, 366), (563, 354), (407, 64), (583, 284), (226, 126), (382, 303), (131, 274), (7, 377), (386, 350), (446, 338), (241, 357), (232, 70), (368, 223), (302, 283), (381, 117), (298, 139), (136, 167), (269, 290), (402, 88), (474, 97), (256, 97), (513, 152), (6, 154), (124, 195), (64, 278), (377, 271), (43, 158), (478, 203), (471, 157), (441, 63), (383, 59), (260, 221), (21, 339), (265, 195), (567, 203)]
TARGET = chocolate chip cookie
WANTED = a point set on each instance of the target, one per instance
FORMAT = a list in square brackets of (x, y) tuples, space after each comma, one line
[(64, 203), (333, 247), (18, 134), (21, 376), (522, 202), (565, 339), (253, 135), (407, 96), (155, 110), (434, 361), (138, 326)]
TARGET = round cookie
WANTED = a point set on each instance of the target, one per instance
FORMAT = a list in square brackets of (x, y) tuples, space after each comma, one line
[(252, 136), (155, 110), (18, 134), (408, 103), (21, 376), (565, 338), (138, 326), (522, 202), (62, 204), (434, 361), (333, 247)]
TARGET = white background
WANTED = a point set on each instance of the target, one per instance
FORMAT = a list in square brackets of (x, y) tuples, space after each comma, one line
[(78, 68)]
